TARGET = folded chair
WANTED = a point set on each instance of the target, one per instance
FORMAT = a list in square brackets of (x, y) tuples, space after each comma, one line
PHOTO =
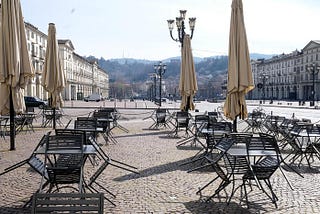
[(33, 161), (222, 146)]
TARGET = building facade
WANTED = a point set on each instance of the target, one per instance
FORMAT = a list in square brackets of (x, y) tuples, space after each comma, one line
[(286, 77), (83, 76)]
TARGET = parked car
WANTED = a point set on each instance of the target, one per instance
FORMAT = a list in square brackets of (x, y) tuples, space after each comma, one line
[(93, 97), (34, 102)]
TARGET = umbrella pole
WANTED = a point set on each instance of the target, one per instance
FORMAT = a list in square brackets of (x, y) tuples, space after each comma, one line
[(188, 103), (54, 118), (235, 124), (12, 125)]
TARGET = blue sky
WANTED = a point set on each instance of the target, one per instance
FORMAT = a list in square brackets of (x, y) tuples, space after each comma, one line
[(138, 28)]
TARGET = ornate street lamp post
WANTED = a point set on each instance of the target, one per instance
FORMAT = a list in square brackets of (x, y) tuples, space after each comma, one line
[(313, 69), (181, 26), (153, 76), (181, 29), (160, 69), (264, 78)]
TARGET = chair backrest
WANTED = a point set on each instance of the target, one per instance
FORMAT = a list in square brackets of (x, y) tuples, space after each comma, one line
[(221, 126), (68, 203), (161, 114), (161, 110), (66, 142), (59, 142), (85, 123), (236, 164), (182, 118), (224, 144), (70, 132), (241, 137), (102, 114), (266, 143), (213, 113), (201, 118), (112, 111)]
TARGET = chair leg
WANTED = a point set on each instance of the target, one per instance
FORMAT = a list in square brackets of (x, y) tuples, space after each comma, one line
[(245, 193)]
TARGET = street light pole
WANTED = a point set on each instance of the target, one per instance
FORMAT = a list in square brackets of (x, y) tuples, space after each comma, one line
[(154, 76), (313, 69), (160, 69), (264, 77)]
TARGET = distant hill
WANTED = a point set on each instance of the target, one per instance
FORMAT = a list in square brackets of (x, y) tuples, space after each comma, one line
[(132, 75), (128, 71), (261, 56), (135, 70)]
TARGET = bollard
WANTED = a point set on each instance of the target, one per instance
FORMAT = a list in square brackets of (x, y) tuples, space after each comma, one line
[(104, 103), (71, 103), (125, 104)]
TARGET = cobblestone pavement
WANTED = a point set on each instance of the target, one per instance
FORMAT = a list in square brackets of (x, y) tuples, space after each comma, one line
[(163, 186)]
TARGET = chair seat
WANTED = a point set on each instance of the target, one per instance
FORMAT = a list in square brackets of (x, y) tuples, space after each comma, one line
[(260, 172), (64, 175)]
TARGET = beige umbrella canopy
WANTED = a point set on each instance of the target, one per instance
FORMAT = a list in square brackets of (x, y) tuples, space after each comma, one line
[(240, 80), (188, 82), (15, 67), (53, 77)]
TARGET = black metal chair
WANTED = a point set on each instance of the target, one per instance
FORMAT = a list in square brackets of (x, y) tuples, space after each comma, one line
[(115, 115), (104, 119), (3, 126), (33, 161), (264, 167), (48, 116), (87, 124), (161, 119), (182, 123), (64, 162), (222, 146), (200, 122)]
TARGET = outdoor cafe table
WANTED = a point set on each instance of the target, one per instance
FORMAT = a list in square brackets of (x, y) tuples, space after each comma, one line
[(240, 150), (87, 150)]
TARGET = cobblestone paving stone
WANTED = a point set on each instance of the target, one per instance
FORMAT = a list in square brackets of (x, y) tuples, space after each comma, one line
[(163, 186)]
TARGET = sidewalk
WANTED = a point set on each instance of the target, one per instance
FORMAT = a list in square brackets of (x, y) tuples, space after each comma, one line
[(162, 186)]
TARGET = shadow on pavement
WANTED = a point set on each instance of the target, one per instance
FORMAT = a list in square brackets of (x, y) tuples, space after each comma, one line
[(141, 134), (15, 210), (164, 168), (215, 207)]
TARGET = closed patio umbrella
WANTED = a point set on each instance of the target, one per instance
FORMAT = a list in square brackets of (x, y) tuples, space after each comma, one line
[(240, 80), (53, 77), (15, 67), (188, 82)]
